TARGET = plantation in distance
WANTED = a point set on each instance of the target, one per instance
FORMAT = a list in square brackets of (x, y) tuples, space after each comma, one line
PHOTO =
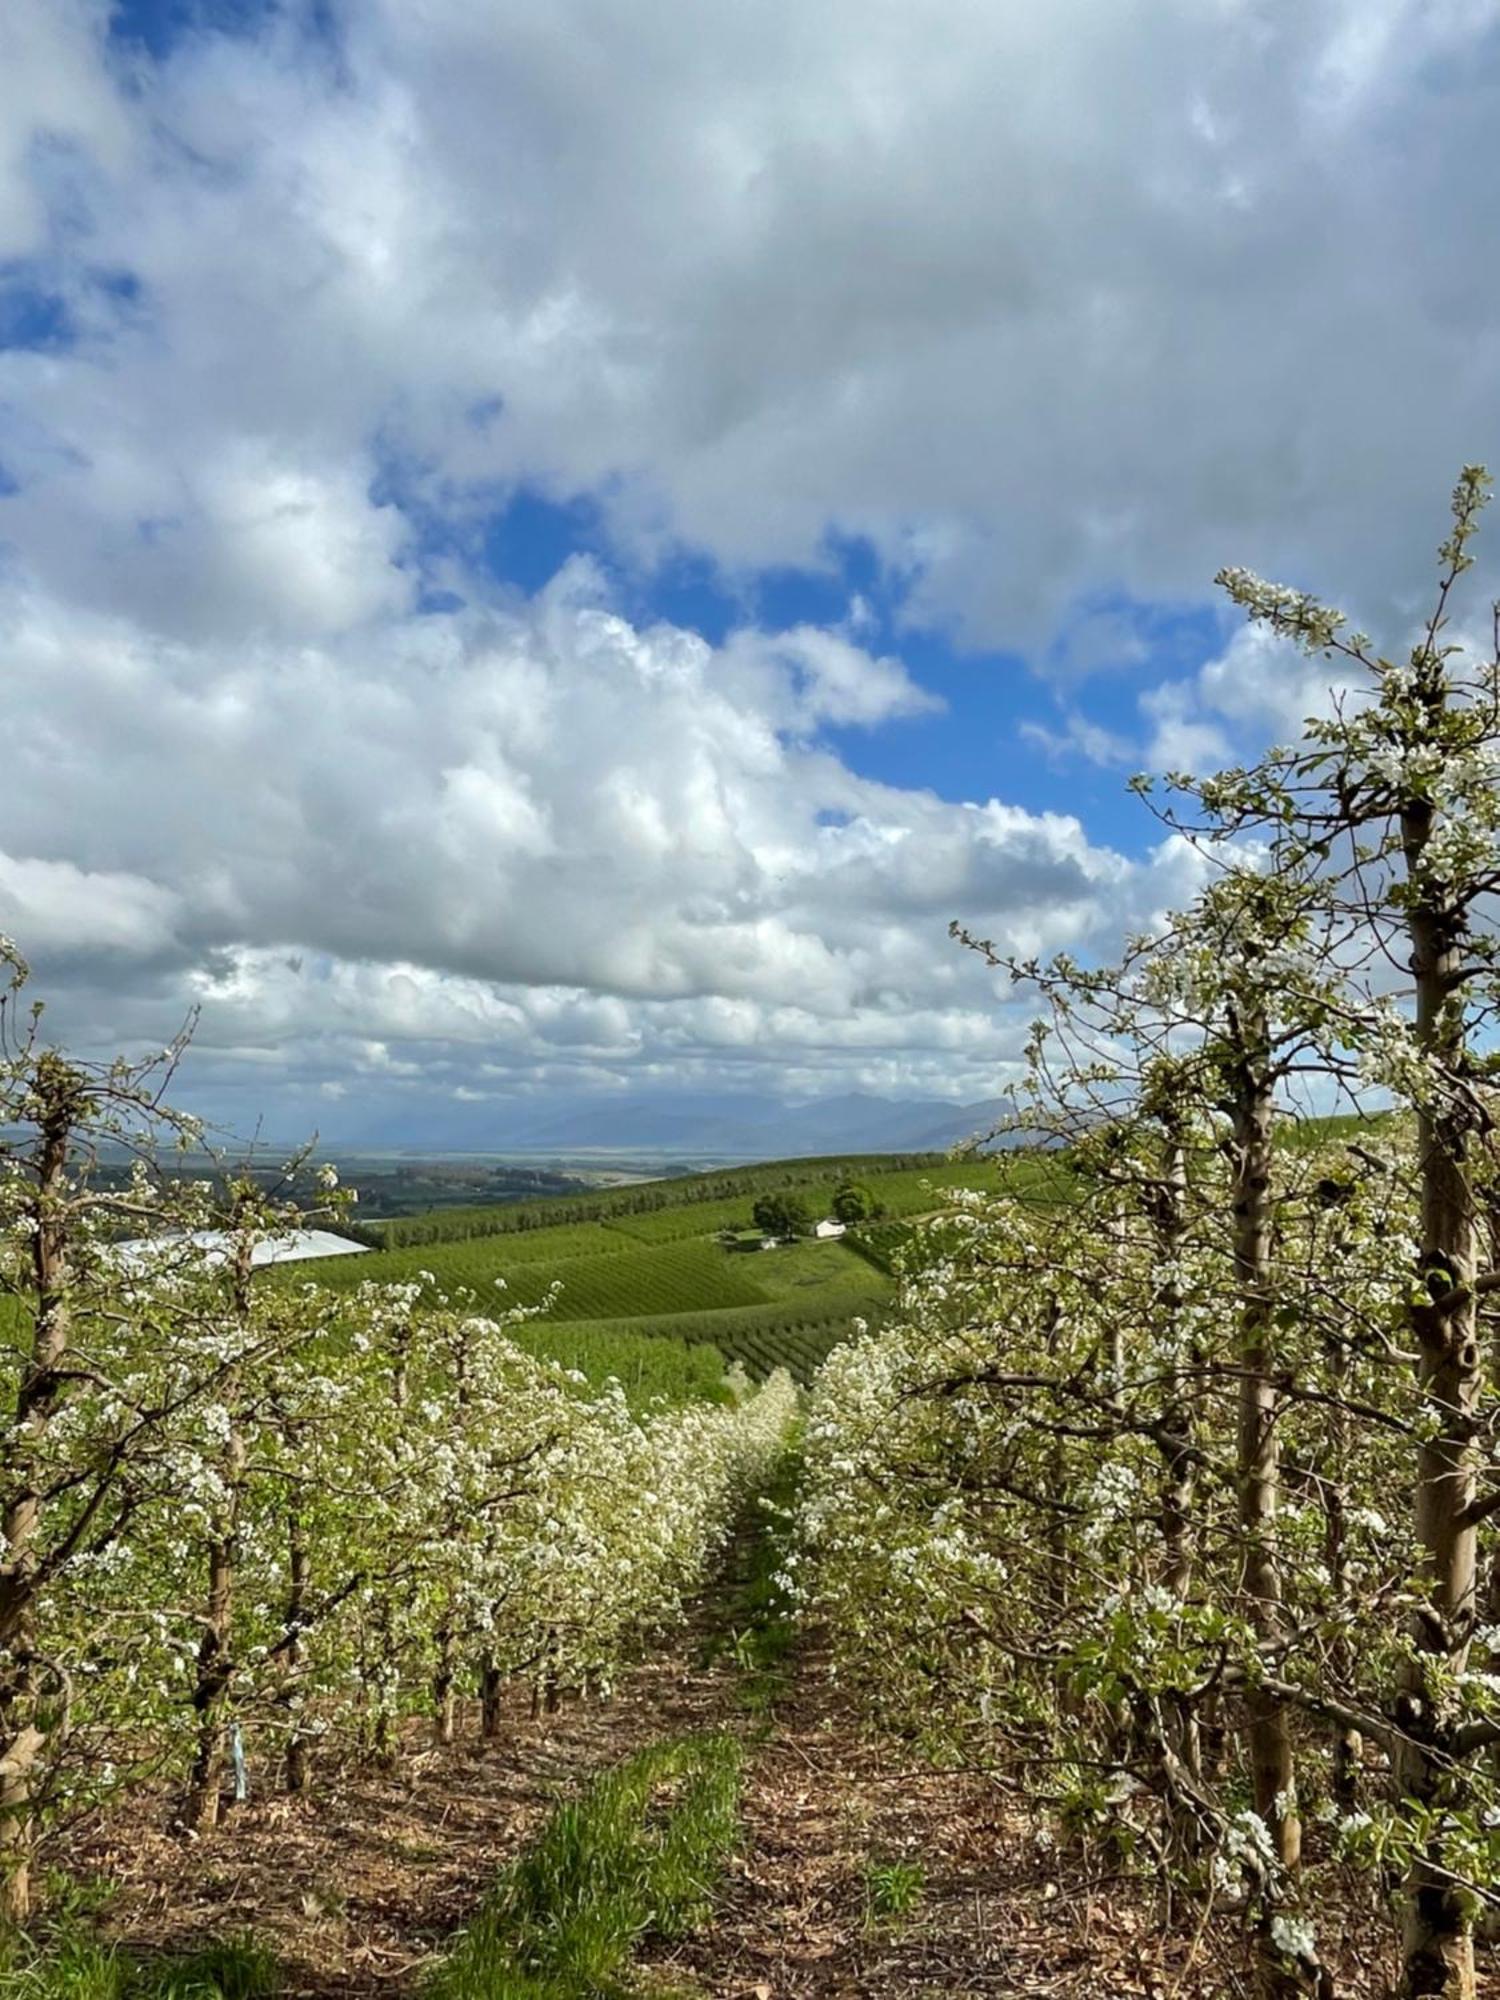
[(1142, 1494)]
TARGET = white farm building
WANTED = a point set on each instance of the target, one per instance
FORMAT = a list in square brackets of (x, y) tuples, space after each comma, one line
[(212, 1244)]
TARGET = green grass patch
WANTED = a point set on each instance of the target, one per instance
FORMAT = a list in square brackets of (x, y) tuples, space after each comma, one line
[(893, 1891), (638, 1852), (676, 1277), (71, 1965), (760, 1624), (824, 1275)]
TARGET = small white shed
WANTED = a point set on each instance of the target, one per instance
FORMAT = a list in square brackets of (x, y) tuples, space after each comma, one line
[(828, 1227)]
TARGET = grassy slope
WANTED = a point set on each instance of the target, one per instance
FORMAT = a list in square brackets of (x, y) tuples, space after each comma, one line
[(677, 1278), (661, 1273), (645, 1205)]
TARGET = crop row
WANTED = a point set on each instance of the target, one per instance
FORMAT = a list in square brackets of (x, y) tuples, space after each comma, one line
[(676, 1278), (738, 1186), (762, 1338)]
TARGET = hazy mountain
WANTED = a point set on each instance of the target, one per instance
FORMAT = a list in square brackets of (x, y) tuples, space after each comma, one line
[(700, 1125)]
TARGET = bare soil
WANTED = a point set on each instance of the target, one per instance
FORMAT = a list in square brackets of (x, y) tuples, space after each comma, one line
[(357, 1886)]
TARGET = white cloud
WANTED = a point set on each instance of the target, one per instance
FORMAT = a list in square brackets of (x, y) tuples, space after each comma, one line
[(1062, 306), (1045, 300), (54, 908), (1260, 689), (1079, 737), (528, 838), (54, 97), (1183, 738)]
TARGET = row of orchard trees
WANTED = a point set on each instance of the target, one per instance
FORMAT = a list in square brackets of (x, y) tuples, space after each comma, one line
[(1178, 1474), (249, 1525)]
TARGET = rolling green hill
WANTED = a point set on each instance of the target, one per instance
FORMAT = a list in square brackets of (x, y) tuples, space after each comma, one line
[(647, 1262), (680, 1205)]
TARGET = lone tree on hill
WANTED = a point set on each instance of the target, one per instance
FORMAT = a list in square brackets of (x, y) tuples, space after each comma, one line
[(853, 1203), (781, 1215)]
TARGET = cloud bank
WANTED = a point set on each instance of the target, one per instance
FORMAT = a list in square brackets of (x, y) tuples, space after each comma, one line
[(1050, 306)]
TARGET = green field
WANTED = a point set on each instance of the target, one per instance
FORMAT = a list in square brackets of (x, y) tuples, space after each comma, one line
[(648, 1203), (649, 1273), (676, 1278)]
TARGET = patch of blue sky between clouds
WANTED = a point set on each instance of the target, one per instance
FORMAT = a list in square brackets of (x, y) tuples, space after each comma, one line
[(1063, 736), (31, 316), (156, 28), (44, 313)]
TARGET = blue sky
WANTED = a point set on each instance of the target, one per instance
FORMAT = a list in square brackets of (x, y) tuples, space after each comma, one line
[(965, 748), (547, 550)]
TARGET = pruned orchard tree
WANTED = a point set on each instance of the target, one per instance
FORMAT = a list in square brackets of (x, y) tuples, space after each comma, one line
[(1199, 1350), (1399, 787), (1173, 1065), (89, 1410), (254, 1525)]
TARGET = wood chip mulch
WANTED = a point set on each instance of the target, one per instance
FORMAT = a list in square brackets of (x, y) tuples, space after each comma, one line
[(357, 1887)]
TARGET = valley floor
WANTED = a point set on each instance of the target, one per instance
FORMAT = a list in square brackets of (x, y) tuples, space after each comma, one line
[(357, 1892)]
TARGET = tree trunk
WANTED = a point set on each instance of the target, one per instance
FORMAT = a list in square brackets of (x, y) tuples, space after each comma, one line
[(22, 1751), (443, 1702), (1182, 1759), (216, 1650), (1348, 1746), (381, 1677), (21, 1741), (1181, 1470), (1438, 1951), (211, 1693), (491, 1686), (298, 1579), (1258, 1482), (1259, 1457)]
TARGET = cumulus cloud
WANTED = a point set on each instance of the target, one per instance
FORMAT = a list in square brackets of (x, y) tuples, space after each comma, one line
[(1058, 306), (532, 837), (1038, 298), (68, 913)]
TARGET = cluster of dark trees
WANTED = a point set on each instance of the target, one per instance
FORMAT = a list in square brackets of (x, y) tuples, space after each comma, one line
[(787, 1215), (646, 1197)]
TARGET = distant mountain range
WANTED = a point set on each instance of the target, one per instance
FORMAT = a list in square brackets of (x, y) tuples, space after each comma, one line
[(727, 1128)]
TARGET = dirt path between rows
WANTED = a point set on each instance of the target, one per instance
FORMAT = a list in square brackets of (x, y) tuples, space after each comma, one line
[(357, 1888)]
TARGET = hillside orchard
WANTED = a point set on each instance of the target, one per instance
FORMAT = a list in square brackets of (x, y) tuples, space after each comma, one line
[(1170, 1492), (251, 1528), (1165, 1493)]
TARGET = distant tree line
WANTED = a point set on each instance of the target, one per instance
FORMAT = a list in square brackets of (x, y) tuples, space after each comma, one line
[(641, 1198)]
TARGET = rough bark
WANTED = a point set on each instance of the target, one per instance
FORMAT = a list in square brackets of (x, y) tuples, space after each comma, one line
[(1437, 1946), (1348, 1745), (211, 1689), (21, 1743), (444, 1681), (1258, 1481), (1182, 1763), (299, 1570), (491, 1685)]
